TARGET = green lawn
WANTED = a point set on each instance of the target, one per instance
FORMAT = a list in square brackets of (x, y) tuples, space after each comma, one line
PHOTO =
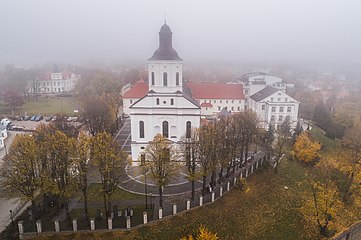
[(43, 106), (327, 143)]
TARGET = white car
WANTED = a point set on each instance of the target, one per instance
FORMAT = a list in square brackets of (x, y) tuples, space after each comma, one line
[(5, 122)]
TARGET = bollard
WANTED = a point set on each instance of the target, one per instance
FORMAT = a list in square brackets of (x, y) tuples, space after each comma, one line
[(174, 209), (234, 181), (241, 176), (257, 164), (21, 229), (200, 200), (213, 196), (246, 172), (160, 213), (57, 226), (188, 205), (38, 226), (75, 225), (145, 217), (128, 222), (228, 185), (252, 168), (92, 224), (110, 223), (220, 191)]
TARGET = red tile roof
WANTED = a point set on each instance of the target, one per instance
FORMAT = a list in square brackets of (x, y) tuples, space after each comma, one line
[(200, 90), (212, 90), (139, 90)]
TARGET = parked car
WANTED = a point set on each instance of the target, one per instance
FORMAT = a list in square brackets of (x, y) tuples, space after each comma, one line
[(48, 119), (54, 118), (33, 118), (38, 118), (26, 118), (5, 122), (17, 128)]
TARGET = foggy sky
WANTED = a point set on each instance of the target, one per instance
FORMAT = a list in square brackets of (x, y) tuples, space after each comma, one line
[(79, 31)]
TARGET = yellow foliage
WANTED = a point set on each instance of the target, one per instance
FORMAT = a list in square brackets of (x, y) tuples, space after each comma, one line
[(203, 234), (305, 149)]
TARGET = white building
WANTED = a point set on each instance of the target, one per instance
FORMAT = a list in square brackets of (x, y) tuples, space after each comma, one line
[(212, 97), (3, 135), (53, 83), (273, 106), (166, 108)]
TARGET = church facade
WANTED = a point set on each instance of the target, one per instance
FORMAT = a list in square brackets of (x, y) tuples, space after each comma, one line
[(166, 108)]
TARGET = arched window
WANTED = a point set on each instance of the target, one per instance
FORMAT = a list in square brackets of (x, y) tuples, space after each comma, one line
[(188, 129), (157, 101), (153, 79), (165, 79), (165, 129), (177, 79), (171, 101), (141, 129)]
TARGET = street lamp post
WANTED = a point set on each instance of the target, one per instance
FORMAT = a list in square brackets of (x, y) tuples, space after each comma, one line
[(151, 200), (146, 188)]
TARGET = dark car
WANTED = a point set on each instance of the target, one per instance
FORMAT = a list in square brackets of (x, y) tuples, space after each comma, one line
[(33, 118), (48, 119), (26, 118), (38, 118)]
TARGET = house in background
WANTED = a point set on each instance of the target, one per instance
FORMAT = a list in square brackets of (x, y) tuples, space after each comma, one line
[(273, 106), (53, 82)]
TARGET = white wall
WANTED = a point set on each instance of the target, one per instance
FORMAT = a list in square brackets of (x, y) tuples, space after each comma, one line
[(171, 68)]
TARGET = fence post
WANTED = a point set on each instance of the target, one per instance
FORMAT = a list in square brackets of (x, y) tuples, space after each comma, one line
[(160, 213), (175, 209), (213, 196), (188, 205), (246, 172), (234, 181), (220, 191), (38, 226), (228, 185), (75, 225), (252, 168), (110, 223), (145, 217), (200, 200), (21, 229), (257, 164), (92, 224), (57, 226), (241, 176), (128, 222)]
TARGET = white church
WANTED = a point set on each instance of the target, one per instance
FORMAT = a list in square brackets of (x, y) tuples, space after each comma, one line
[(166, 108)]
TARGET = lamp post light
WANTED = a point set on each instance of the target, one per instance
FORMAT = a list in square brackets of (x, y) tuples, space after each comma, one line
[(151, 200)]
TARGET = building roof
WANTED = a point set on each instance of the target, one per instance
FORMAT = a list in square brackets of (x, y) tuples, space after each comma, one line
[(139, 90), (165, 50), (264, 93), (206, 104), (212, 90)]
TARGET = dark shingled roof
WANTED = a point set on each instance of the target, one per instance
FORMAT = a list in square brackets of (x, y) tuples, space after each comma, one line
[(165, 50), (266, 92)]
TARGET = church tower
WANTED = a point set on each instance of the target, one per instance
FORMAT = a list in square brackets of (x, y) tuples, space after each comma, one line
[(165, 66)]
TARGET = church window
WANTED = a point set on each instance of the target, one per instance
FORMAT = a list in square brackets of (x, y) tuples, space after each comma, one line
[(232, 101), (238, 108), (226, 101), (157, 101), (289, 109), (165, 79), (219, 108), (232, 108), (220, 101), (171, 101), (188, 129), (164, 102), (214, 101), (165, 129), (177, 79), (141, 129), (153, 79)]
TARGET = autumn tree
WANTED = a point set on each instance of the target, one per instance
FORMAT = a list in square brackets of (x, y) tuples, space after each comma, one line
[(321, 207), (283, 136), (248, 129), (162, 161), (352, 142), (60, 177), (203, 234), (81, 161), (20, 170), (205, 156), (223, 153), (305, 149), (13, 99), (189, 149), (110, 160)]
